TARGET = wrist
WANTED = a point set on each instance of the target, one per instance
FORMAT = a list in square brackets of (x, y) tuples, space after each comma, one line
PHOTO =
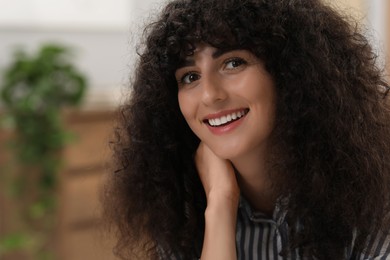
[(223, 202), (220, 230)]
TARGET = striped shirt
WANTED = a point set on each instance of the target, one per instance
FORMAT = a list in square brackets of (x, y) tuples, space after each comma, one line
[(259, 237)]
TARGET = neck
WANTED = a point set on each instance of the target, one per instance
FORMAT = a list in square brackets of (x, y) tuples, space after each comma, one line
[(254, 181)]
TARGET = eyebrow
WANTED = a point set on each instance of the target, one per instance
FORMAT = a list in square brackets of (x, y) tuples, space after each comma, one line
[(189, 60)]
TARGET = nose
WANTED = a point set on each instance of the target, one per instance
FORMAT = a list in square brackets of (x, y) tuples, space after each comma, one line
[(213, 90)]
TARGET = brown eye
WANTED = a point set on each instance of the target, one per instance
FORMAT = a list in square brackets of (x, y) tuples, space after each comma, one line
[(189, 78), (234, 63)]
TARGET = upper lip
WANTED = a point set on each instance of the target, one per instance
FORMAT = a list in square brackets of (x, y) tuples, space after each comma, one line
[(223, 113)]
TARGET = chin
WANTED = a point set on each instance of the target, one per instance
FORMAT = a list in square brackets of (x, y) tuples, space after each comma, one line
[(226, 154)]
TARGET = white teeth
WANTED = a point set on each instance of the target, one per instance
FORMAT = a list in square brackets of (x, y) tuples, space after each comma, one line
[(224, 119)]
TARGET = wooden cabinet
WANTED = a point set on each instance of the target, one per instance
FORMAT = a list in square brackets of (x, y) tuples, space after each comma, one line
[(80, 231)]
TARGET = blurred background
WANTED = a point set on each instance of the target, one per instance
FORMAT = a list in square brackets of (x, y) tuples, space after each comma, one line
[(78, 56)]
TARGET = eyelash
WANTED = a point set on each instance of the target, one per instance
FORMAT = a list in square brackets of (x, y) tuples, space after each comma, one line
[(236, 59), (182, 80), (241, 61)]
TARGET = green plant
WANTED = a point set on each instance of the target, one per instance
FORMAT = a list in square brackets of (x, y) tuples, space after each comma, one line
[(34, 89)]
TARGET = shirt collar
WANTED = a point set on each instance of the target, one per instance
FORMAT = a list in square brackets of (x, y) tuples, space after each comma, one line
[(278, 215)]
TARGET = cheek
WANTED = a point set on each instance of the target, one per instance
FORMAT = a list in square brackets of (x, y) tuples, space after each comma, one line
[(186, 106)]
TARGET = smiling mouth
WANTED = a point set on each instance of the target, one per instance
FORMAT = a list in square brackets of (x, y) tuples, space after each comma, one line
[(226, 119)]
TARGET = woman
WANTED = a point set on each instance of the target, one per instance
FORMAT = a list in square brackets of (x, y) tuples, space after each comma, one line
[(256, 129)]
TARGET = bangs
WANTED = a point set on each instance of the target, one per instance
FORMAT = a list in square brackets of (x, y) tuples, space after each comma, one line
[(207, 23)]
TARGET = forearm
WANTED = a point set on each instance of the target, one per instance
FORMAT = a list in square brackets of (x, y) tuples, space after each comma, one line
[(222, 192), (220, 231)]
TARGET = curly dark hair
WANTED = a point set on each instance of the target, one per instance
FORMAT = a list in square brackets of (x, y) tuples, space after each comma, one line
[(331, 142)]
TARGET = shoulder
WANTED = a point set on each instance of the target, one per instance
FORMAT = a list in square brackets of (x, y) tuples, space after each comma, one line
[(376, 246)]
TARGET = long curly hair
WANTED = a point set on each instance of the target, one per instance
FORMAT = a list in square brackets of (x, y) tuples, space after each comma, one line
[(331, 142)]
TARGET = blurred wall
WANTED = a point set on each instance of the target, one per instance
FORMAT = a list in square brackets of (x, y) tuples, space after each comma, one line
[(102, 33)]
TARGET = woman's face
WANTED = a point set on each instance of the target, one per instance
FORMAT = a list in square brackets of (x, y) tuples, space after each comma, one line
[(227, 99)]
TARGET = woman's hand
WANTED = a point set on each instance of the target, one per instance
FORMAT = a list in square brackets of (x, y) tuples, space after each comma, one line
[(217, 175), (222, 192)]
